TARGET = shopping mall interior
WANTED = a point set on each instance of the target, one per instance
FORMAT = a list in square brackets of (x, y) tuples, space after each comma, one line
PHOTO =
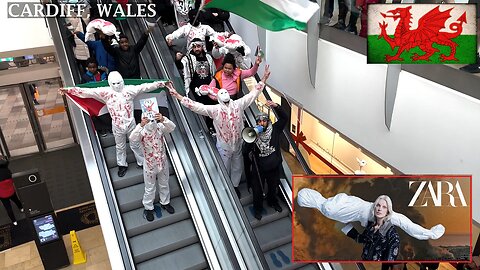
[(346, 117)]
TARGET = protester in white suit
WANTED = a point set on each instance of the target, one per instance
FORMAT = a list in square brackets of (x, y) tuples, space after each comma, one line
[(228, 123), (155, 166), (345, 208), (119, 100)]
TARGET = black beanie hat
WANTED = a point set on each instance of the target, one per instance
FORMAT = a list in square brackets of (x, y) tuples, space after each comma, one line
[(191, 17)]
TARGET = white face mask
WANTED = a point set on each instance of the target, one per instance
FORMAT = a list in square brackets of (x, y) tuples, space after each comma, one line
[(115, 81), (223, 96)]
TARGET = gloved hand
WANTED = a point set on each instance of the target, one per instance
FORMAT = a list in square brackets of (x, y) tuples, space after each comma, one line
[(241, 50)]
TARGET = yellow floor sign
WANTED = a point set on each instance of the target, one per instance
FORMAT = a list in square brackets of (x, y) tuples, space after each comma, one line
[(79, 255)]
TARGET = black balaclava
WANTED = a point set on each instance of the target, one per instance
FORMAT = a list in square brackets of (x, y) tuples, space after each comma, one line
[(191, 17)]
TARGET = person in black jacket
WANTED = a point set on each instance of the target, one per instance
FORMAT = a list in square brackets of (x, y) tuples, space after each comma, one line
[(267, 160), (126, 56), (380, 239)]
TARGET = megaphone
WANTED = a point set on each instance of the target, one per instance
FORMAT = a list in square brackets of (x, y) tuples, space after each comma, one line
[(250, 134)]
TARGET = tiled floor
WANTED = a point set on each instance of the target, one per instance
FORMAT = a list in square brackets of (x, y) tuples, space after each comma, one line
[(91, 240), (16, 126)]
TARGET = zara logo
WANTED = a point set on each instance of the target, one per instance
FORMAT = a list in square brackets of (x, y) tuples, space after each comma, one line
[(426, 191)]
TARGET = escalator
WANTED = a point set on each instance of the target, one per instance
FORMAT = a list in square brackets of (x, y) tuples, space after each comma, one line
[(173, 241), (170, 237), (272, 236)]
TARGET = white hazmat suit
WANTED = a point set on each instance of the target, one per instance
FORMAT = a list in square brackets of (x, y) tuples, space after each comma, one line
[(119, 100), (228, 122), (155, 165), (345, 208)]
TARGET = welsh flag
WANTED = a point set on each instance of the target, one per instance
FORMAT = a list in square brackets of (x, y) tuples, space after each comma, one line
[(273, 15), (95, 107), (422, 33)]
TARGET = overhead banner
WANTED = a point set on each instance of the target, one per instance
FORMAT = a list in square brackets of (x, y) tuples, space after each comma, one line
[(422, 33), (382, 218)]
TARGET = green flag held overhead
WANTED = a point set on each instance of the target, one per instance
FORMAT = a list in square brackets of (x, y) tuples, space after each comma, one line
[(273, 15), (422, 34)]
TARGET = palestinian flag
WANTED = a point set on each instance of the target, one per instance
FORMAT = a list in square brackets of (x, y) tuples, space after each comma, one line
[(422, 33), (95, 107), (273, 15)]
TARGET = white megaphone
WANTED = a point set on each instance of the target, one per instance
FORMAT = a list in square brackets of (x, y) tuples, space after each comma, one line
[(250, 134)]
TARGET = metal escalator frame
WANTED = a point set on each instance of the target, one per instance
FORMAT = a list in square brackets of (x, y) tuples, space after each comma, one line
[(260, 260), (197, 217), (112, 227)]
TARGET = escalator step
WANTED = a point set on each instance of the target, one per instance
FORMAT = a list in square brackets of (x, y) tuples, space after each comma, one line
[(190, 257), (133, 176), (111, 156), (107, 141), (130, 198), (281, 258), (274, 234), (135, 223), (246, 198), (268, 215), (163, 240)]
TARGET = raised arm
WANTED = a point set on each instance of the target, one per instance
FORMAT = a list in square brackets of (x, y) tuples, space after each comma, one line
[(248, 99), (138, 47), (282, 115), (136, 134), (147, 87), (165, 125), (179, 33), (415, 230), (196, 107), (250, 72), (99, 93)]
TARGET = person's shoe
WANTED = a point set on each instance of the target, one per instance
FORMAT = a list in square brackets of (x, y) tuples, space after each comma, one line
[(331, 22), (237, 190), (340, 25), (352, 29), (122, 170), (276, 206), (258, 214), (472, 68), (35, 102), (212, 132), (15, 223), (139, 166), (148, 214), (102, 133), (325, 20), (169, 208)]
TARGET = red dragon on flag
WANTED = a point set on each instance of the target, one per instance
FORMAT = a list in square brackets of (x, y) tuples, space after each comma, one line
[(427, 33)]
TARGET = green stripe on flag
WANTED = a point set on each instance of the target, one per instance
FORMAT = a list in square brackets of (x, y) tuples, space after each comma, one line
[(466, 51), (258, 13), (127, 82)]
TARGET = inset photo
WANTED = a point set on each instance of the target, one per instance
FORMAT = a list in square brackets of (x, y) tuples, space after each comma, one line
[(382, 218)]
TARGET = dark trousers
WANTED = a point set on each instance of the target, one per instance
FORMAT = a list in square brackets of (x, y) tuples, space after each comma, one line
[(102, 122), (8, 206), (272, 179)]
